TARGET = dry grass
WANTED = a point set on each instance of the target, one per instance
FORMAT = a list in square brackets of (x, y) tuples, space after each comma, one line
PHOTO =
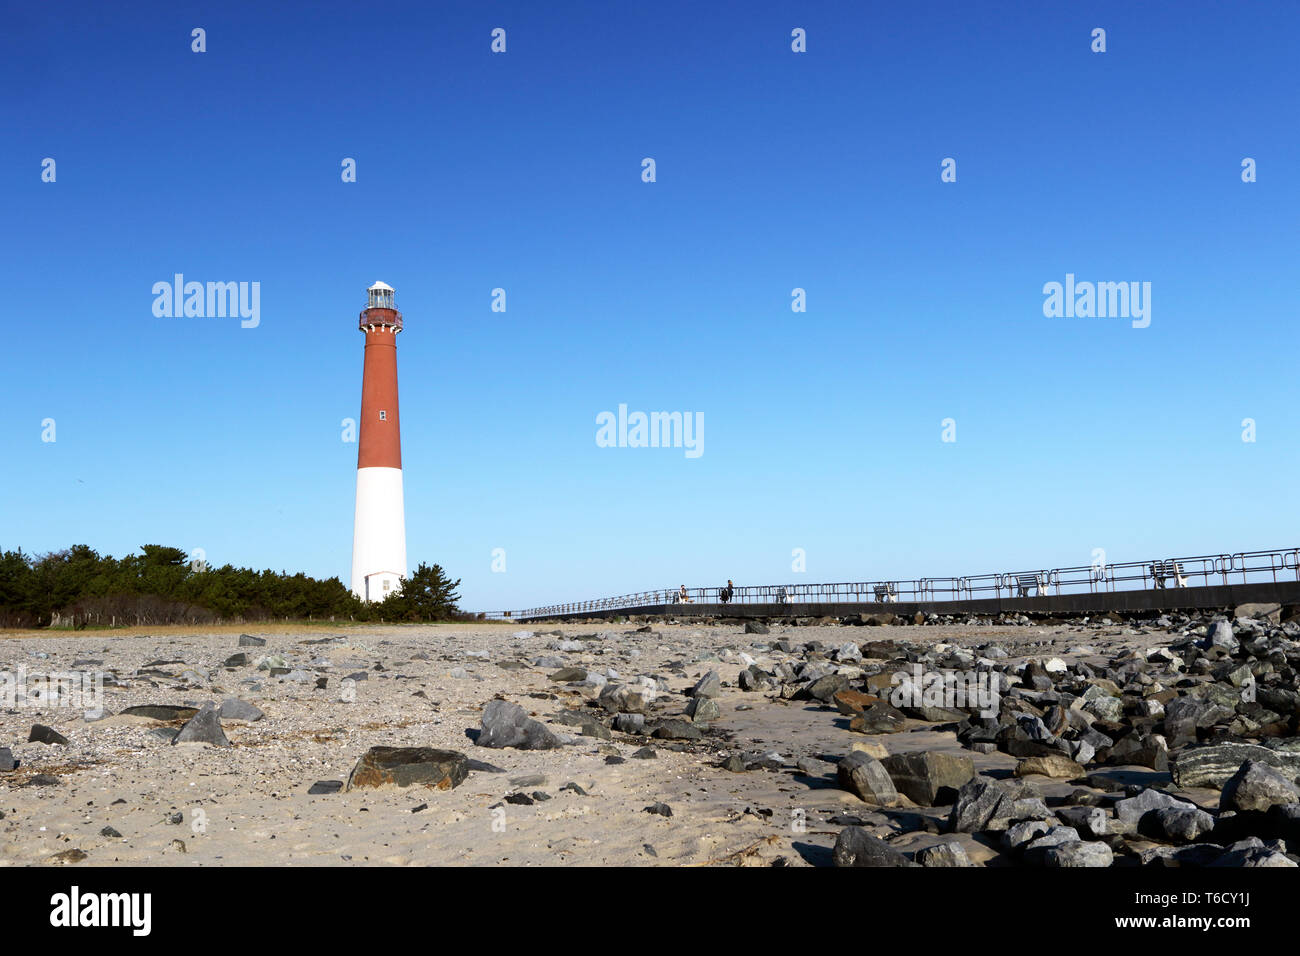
[(257, 628)]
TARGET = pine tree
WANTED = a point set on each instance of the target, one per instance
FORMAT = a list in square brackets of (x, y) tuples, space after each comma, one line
[(427, 595)]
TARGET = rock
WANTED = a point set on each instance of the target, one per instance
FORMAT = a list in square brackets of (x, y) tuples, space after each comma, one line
[(1090, 822), (236, 660), (754, 627), (110, 833), (824, 688), (981, 801), (629, 723), (1257, 786), (1148, 750), (1268, 612), (1183, 824), (44, 780), (568, 675), (812, 767), (1058, 836), (625, 698), (645, 753), (865, 776), (929, 778), (1133, 809), (944, 854), (7, 761), (702, 710), (1253, 852), (506, 725), (851, 702), (46, 735), (1057, 766), (856, 847), (1072, 854), (248, 640), (232, 708), (710, 685), (735, 764), (203, 728), (1220, 635), (166, 734), (1212, 765), (408, 766), (674, 728), (163, 712), (873, 747), (1020, 834), (934, 715), (1109, 709), (321, 787), (659, 809), (69, 856), (879, 718)]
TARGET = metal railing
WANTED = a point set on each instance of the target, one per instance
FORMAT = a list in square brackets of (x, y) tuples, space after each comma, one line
[(1243, 567), (364, 320)]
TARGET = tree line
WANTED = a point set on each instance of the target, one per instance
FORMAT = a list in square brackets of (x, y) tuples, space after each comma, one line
[(79, 587)]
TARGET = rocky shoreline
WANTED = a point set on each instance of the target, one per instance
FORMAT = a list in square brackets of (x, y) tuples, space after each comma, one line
[(1161, 741)]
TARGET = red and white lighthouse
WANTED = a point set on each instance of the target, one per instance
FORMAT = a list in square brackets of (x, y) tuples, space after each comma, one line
[(379, 535)]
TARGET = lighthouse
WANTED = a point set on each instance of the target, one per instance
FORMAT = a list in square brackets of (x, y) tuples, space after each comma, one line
[(379, 535)]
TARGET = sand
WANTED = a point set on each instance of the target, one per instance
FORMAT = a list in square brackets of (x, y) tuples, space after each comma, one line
[(248, 804)]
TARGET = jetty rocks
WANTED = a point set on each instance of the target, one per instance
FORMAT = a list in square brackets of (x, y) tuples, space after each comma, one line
[(1181, 751)]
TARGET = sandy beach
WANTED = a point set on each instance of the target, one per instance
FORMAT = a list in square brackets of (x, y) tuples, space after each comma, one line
[(119, 792)]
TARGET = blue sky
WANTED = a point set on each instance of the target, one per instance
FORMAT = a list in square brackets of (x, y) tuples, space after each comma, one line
[(775, 170)]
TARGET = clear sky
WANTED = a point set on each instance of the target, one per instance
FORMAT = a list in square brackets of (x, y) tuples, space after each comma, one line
[(774, 170)]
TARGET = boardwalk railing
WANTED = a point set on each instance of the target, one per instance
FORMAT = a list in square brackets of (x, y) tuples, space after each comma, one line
[(1243, 567)]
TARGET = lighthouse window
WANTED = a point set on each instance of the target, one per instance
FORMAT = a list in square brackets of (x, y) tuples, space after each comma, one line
[(383, 415), (386, 585)]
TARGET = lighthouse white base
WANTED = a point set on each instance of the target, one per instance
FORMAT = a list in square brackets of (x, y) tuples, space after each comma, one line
[(379, 535)]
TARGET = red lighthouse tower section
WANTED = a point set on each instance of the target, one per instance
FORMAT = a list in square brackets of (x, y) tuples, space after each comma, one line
[(379, 535)]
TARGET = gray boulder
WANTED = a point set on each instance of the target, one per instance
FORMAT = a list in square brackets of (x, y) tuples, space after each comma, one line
[(947, 854), (863, 775), (710, 685), (1133, 809), (1090, 822), (232, 708), (929, 778), (46, 735), (203, 728), (856, 847), (1183, 824), (984, 804), (1257, 786), (1213, 765), (1080, 854), (507, 725)]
